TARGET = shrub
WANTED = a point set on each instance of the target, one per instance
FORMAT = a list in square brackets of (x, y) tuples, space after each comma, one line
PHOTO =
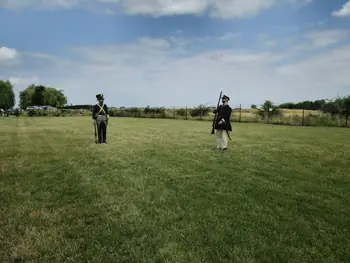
[(31, 113), (181, 112), (200, 111)]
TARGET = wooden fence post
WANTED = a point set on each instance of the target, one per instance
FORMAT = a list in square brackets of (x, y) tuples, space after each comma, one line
[(240, 112), (303, 118)]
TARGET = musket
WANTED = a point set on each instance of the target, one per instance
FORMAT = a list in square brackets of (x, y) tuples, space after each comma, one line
[(95, 124), (216, 114)]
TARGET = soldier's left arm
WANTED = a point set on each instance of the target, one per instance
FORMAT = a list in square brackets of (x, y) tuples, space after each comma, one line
[(106, 110)]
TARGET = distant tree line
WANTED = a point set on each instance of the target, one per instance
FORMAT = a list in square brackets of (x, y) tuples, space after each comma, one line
[(304, 105), (40, 95), (338, 106)]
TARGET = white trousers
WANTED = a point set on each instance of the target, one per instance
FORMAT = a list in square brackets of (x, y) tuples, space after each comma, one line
[(221, 139)]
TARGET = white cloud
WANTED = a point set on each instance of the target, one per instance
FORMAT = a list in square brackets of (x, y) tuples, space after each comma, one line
[(39, 4), (325, 38), (318, 39), (7, 54), (164, 7), (267, 41), (300, 2), (109, 11), (238, 8), (9, 57), (18, 81), (230, 36), (164, 73), (312, 40), (323, 73), (215, 8), (182, 41), (344, 11), (154, 43)]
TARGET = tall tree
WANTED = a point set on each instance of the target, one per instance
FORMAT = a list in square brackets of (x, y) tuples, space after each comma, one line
[(343, 107), (41, 95), (267, 106), (38, 95), (267, 110), (7, 95), (25, 97), (54, 97), (347, 110)]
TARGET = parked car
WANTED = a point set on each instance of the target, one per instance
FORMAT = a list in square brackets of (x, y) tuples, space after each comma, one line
[(14, 111), (44, 107), (49, 108), (33, 108)]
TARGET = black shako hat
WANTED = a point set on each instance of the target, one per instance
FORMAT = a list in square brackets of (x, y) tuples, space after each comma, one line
[(99, 97), (225, 97)]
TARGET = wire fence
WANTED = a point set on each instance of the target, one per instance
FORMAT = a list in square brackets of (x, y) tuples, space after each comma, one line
[(282, 117)]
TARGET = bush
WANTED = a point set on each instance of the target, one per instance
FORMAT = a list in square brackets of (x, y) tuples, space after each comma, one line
[(181, 112), (200, 111), (31, 113)]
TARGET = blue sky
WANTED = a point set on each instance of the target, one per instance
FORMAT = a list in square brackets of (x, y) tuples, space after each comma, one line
[(152, 52)]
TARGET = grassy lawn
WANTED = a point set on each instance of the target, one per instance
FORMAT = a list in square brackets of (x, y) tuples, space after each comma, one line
[(158, 192)]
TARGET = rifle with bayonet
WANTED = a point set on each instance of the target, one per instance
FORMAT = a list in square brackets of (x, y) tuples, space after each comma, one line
[(216, 114)]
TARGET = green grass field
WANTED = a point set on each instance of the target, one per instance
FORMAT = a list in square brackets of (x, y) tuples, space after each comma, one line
[(158, 192)]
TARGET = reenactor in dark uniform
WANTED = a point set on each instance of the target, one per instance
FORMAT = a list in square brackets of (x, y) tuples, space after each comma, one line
[(100, 117), (223, 124)]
